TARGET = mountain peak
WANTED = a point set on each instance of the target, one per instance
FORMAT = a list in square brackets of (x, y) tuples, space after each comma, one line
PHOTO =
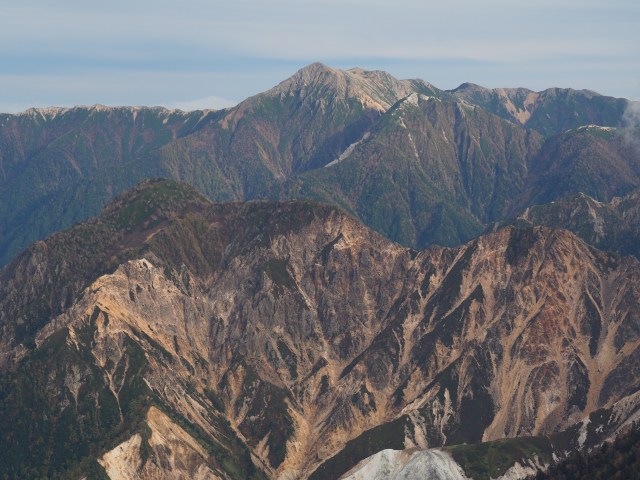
[(374, 89), (151, 201), (312, 74), (468, 87)]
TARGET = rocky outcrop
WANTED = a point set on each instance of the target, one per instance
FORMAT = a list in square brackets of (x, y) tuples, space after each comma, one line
[(400, 465), (319, 341), (613, 226), (168, 453)]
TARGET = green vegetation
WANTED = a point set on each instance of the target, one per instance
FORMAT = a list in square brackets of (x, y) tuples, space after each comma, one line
[(326, 250), (153, 203), (268, 415), (50, 432), (617, 460), (487, 460), (277, 270), (227, 453), (388, 435), (215, 400), (521, 240), (289, 359)]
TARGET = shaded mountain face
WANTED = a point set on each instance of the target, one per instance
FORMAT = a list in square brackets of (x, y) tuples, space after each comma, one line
[(446, 162), (613, 226), (59, 166), (597, 161), (282, 339), (431, 170), (549, 112)]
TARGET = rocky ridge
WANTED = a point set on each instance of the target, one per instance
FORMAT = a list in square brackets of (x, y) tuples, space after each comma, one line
[(613, 225), (316, 339), (448, 163), (550, 111)]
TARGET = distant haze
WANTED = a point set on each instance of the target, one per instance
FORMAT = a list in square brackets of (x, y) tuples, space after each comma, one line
[(203, 54)]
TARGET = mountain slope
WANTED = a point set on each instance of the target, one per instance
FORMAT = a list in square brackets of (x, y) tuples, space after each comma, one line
[(430, 171), (613, 226), (303, 123), (58, 166), (315, 338), (597, 161), (549, 112)]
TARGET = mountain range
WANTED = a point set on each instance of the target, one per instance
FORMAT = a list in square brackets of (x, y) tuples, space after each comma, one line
[(395, 281), (420, 165)]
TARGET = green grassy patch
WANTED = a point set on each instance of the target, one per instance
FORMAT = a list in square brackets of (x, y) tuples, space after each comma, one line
[(483, 461)]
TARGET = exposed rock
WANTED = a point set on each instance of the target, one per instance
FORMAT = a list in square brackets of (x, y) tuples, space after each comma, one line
[(404, 465), (323, 343), (171, 453)]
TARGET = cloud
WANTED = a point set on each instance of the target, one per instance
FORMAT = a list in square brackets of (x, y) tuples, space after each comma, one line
[(496, 43), (631, 125), (297, 30), (176, 89)]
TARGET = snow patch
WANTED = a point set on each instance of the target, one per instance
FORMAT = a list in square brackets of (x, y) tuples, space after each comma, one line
[(596, 127), (582, 438), (415, 98), (413, 146), (349, 150)]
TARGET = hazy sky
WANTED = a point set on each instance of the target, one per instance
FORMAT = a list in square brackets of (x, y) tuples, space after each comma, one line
[(209, 53)]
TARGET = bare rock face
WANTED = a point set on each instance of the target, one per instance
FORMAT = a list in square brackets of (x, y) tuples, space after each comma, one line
[(175, 454), (287, 339), (545, 111), (403, 465), (612, 226)]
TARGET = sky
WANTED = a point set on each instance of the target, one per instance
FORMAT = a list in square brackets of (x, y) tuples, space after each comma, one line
[(192, 54)]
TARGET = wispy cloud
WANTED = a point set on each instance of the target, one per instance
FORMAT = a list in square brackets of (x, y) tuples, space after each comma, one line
[(497, 42), (631, 125)]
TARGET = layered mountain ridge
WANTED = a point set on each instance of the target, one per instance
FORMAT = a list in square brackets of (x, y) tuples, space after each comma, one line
[(613, 226), (287, 340), (446, 163), (550, 111)]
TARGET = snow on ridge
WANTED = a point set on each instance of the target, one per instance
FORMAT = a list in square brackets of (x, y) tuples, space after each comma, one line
[(595, 127), (415, 97), (48, 113)]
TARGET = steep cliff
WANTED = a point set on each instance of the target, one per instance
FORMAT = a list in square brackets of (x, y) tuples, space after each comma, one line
[(286, 338)]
